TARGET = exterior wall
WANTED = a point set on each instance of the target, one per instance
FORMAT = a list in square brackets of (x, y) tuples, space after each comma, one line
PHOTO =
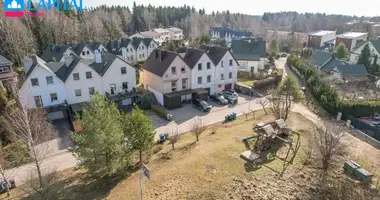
[(226, 69), (327, 37), (152, 46), (89, 55), (314, 41), (67, 53), (83, 83), (102, 48), (141, 52), (159, 96), (246, 65), (114, 76), (354, 55), (168, 77), (131, 53), (150, 80), (195, 73), (27, 91)]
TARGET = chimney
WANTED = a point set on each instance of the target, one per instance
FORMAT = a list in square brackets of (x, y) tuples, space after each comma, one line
[(158, 54), (27, 63), (68, 60), (98, 57)]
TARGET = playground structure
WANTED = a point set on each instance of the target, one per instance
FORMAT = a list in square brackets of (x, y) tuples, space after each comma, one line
[(268, 135)]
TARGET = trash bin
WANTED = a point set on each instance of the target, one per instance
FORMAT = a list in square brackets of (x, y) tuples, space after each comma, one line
[(162, 138)]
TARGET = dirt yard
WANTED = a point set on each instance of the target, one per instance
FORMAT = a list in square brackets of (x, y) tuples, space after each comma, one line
[(212, 169)]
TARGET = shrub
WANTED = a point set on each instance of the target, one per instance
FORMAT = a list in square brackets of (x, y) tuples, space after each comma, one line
[(160, 111), (146, 102)]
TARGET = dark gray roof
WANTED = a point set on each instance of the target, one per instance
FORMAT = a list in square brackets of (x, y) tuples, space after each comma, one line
[(125, 42), (376, 44), (147, 41), (4, 61), (94, 45), (248, 48), (159, 61), (78, 48), (320, 58), (215, 53), (192, 55), (331, 64), (237, 33), (54, 53), (64, 71), (107, 60), (35, 63), (55, 66), (113, 46), (352, 70), (136, 42)]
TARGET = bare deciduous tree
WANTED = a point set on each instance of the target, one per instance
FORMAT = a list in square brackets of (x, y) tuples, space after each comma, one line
[(328, 142), (174, 138), (31, 127), (263, 102), (246, 114), (197, 128)]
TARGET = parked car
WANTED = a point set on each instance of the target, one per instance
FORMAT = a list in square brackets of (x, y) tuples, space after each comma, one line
[(202, 105), (231, 91), (6, 185), (219, 99), (232, 98), (284, 55)]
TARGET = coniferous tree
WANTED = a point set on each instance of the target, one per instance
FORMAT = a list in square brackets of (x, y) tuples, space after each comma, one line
[(101, 146), (364, 58), (341, 52)]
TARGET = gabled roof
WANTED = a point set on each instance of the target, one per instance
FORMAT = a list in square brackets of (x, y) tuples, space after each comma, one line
[(94, 45), (174, 29), (4, 61), (125, 42), (107, 60), (352, 70), (192, 55), (376, 44), (248, 48), (150, 34), (147, 41), (215, 53), (54, 53), (113, 46), (136, 42), (64, 71), (159, 61), (237, 33), (331, 64), (320, 58)]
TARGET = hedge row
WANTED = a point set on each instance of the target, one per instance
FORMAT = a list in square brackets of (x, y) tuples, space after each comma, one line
[(326, 95)]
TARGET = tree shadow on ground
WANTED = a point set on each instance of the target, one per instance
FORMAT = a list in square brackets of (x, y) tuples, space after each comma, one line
[(82, 186)]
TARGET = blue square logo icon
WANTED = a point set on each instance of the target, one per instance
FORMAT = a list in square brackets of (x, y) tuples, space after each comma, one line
[(14, 5)]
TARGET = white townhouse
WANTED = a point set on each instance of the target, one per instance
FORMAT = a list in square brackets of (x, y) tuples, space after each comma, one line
[(202, 68), (164, 35), (175, 33), (132, 50), (75, 80), (226, 67)]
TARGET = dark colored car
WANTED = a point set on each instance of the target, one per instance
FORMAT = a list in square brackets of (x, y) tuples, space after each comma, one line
[(284, 55), (219, 99), (6, 185), (232, 98), (202, 105)]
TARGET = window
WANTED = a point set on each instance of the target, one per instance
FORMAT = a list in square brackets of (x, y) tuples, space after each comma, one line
[(143, 55), (49, 80), (130, 49), (222, 64), (125, 85), (34, 81), (183, 70), (127, 50), (38, 101), (208, 78), (208, 65), (4, 69), (76, 76), (78, 93), (123, 70), (174, 70), (174, 86), (184, 84), (91, 90), (83, 53), (230, 75), (231, 62), (53, 97), (199, 80), (88, 75), (88, 52), (200, 67), (221, 76)]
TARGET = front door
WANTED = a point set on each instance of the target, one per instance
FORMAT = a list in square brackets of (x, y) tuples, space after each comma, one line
[(113, 88), (228, 87)]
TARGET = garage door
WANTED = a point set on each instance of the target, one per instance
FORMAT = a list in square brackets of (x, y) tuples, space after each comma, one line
[(228, 86), (55, 115), (126, 102)]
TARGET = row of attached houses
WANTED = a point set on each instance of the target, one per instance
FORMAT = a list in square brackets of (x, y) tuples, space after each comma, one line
[(250, 53), (338, 70), (72, 80), (228, 34), (161, 35), (188, 73), (132, 50)]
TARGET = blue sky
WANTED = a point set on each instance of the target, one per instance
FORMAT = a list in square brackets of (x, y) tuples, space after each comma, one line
[(258, 7)]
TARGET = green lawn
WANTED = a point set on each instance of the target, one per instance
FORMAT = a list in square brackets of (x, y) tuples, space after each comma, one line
[(246, 81)]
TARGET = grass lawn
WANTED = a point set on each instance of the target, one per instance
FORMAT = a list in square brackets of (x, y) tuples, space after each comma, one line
[(212, 169), (246, 81)]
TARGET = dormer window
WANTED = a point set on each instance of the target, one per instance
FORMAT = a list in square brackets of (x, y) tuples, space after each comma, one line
[(88, 52), (83, 53)]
